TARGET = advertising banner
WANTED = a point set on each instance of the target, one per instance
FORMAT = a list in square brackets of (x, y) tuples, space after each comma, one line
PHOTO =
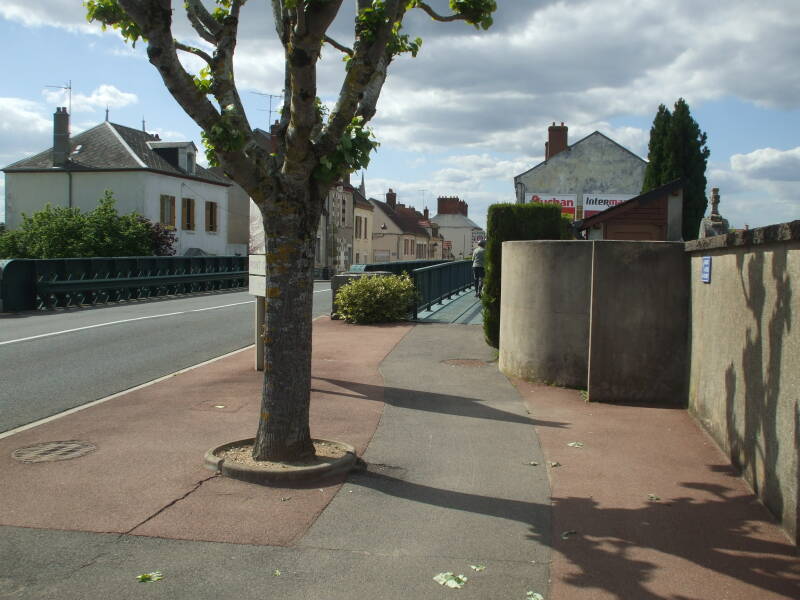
[(598, 202), (567, 202)]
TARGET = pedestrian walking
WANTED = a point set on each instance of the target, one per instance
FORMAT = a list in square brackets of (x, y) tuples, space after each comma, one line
[(478, 271)]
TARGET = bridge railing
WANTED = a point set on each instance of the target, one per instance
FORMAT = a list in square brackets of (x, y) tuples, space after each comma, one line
[(437, 283), (31, 284)]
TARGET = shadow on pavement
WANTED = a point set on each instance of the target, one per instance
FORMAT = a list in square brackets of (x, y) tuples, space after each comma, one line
[(439, 403)]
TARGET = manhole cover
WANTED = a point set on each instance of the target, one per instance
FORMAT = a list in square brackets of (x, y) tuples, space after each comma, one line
[(52, 451), (465, 362)]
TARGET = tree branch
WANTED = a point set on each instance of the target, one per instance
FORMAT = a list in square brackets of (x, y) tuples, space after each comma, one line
[(338, 46), (206, 26), (193, 50), (437, 17)]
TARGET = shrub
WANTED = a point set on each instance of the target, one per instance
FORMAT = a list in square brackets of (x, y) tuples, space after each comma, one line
[(59, 232), (507, 222), (376, 299)]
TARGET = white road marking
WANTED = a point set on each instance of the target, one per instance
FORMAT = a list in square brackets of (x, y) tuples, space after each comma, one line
[(172, 314), (70, 411)]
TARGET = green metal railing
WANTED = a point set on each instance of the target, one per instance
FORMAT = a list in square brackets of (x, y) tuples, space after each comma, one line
[(398, 267), (439, 282), (31, 284)]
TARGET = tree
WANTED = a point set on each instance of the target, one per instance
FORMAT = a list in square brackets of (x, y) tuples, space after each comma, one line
[(59, 232), (312, 150), (678, 149), (655, 149)]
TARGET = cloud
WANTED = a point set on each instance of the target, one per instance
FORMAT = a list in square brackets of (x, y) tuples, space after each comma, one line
[(65, 14), (24, 127), (769, 163), (102, 97)]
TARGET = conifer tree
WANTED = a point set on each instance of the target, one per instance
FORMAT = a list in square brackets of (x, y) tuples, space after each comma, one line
[(656, 149), (678, 149)]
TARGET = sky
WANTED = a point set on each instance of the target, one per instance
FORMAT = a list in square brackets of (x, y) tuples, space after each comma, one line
[(472, 110)]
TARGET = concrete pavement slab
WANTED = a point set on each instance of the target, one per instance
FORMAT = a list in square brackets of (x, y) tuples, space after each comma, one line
[(449, 477), (656, 509)]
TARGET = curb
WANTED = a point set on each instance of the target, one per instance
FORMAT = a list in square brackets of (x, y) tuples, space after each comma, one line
[(233, 470)]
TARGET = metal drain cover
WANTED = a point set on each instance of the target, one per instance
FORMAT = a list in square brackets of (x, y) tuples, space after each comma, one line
[(466, 362), (52, 451)]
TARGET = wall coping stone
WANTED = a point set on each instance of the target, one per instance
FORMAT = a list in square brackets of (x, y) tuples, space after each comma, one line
[(771, 234)]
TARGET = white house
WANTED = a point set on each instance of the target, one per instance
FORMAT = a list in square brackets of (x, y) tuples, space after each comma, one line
[(159, 180), (461, 234)]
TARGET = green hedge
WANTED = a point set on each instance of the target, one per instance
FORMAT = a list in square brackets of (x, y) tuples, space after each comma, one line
[(511, 222)]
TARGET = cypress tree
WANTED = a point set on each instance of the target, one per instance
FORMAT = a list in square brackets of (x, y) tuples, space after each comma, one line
[(677, 149), (656, 149)]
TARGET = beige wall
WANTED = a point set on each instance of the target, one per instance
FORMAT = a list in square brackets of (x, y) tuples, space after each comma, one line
[(744, 381), (362, 246)]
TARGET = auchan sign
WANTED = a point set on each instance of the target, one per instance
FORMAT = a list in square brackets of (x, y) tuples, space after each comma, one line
[(567, 202)]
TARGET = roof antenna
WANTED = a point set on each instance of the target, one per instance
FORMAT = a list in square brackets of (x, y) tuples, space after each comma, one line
[(67, 87), (106, 112), (143, 129)]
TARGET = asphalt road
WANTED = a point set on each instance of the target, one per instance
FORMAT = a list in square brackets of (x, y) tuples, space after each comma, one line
[(54, 361)]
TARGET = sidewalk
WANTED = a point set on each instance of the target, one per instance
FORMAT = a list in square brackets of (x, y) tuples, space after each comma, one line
[(458, 474)]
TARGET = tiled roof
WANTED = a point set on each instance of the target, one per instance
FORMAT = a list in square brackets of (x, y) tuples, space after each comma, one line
[(407, 219), (112, 147), (450, 220)]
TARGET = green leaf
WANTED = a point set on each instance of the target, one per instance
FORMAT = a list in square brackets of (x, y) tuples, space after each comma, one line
[(150, 577), (450, 580), (478, 567), (653, 498), (531, 595), (276, 573), (575, 444)]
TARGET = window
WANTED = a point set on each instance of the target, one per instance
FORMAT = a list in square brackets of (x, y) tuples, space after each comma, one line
[(317, 250), (359, 220), (344, 211), (366, 228), (211, 216), (167, 216), (187, 214)]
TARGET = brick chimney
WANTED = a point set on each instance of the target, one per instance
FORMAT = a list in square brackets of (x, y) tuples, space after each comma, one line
[(556, 140), (451, 206), (425, 213), (391, 198), (60, 137)]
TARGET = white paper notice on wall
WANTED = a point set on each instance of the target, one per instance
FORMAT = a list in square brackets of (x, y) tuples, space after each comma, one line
[(705, 270)]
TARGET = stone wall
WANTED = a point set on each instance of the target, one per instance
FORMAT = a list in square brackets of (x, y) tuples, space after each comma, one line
[(744, 376)]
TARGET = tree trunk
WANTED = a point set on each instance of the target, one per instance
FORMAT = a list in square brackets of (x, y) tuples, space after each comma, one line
[(283, 430)]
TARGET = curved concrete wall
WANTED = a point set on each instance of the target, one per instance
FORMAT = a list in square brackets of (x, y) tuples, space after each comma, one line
[(544, 311)]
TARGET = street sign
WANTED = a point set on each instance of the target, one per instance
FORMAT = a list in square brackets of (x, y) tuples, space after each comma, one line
[(705, 271)]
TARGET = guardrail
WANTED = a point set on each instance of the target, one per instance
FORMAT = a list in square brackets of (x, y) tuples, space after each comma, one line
[(398, 267), (439, 282), (35, 284)]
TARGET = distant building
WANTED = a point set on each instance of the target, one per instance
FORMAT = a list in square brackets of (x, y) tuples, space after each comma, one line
[(364, 213), (584, 178), (399, 232), (460, 233), (156, 179), (335, 232)]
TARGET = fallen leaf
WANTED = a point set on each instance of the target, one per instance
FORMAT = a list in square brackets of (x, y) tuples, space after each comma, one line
[(477, 567), (286, 498), (150, 577), (555, 464), (567, 534), (531, 595), (575, 444), (533, 463), (653, 498), (276, 573), (449, 580)]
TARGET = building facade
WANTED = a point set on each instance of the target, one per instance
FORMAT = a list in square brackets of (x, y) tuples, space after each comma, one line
[(400, 232), (461, 234), (584, 178), (156, 179), (364, 214)]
